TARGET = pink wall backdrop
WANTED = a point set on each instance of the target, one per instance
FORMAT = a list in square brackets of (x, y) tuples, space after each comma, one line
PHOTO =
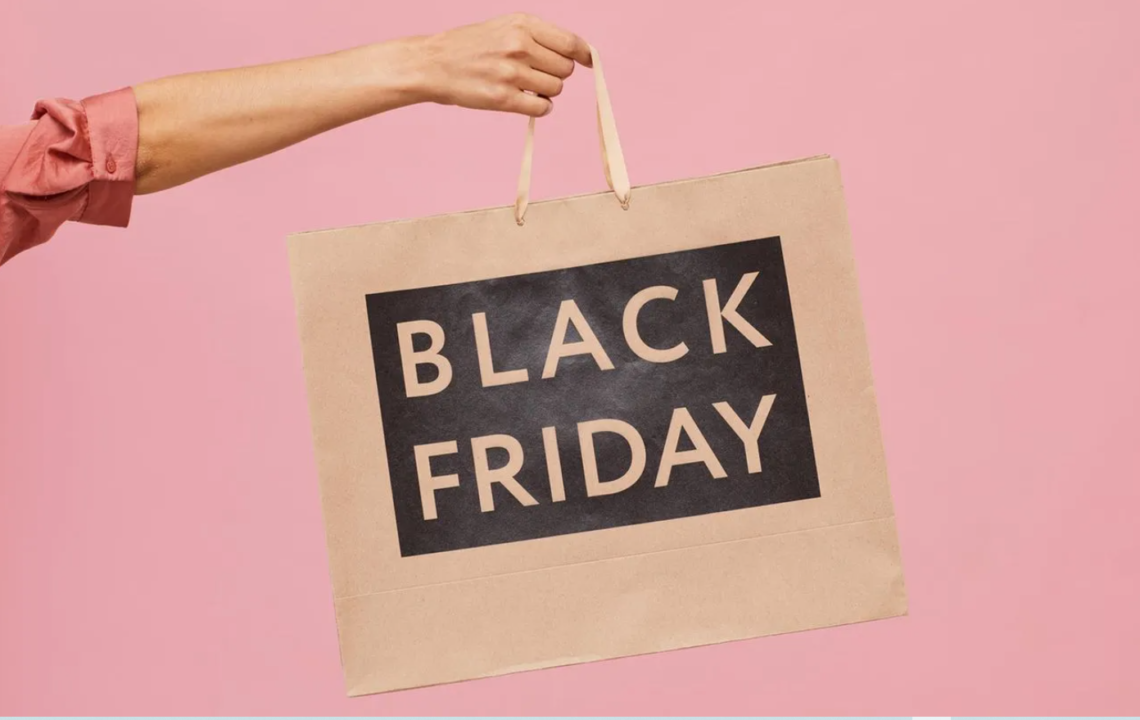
[(161, 547)]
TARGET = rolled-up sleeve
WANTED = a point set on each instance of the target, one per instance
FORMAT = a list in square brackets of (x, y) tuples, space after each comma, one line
[(73, 161)]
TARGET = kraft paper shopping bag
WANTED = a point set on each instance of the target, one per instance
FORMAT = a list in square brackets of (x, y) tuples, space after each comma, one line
[(595, 427)]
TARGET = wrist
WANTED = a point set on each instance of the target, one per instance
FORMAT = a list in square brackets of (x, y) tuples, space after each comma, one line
[(401, 70)]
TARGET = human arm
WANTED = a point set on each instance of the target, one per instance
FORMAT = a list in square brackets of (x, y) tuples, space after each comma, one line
[(192, 125), (84, 161)]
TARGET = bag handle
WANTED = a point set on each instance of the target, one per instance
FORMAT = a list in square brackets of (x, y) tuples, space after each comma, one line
[(613, 162)]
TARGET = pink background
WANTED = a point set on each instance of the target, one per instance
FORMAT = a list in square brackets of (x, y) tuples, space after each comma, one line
[(161, 547)]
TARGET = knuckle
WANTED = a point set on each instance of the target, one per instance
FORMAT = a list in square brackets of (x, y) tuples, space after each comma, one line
[(516, 43), (498, 96), (509, 72)]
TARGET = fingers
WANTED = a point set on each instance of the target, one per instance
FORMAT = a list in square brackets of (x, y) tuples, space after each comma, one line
[(539, 82), (533, 59), (544, 59), (563, 42), (528, 104)]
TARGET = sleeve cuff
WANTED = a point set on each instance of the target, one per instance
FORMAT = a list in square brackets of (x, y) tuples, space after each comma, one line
[(113, 130)]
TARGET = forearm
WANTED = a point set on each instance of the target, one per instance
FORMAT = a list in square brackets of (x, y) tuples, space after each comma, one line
[(192, 125)]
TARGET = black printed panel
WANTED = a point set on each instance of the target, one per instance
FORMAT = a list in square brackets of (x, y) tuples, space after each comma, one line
[(592, 379)]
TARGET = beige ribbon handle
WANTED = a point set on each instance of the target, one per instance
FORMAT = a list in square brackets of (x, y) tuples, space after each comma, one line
[(613, 161)]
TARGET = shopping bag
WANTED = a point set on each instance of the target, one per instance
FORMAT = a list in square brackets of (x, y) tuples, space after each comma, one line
[(595, 427)]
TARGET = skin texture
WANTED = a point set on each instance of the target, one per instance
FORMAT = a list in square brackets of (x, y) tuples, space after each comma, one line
[(192, 125)]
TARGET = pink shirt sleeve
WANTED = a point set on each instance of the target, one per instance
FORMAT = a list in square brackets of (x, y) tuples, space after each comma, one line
[(73, 161)]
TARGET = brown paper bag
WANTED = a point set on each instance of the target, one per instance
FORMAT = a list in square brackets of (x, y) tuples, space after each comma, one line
[(598, 433)]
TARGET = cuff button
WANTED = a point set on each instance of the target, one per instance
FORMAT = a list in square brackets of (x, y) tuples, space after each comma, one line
[(111, 167)]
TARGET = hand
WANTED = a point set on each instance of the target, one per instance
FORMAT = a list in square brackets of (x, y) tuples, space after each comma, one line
[(514, 63)]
